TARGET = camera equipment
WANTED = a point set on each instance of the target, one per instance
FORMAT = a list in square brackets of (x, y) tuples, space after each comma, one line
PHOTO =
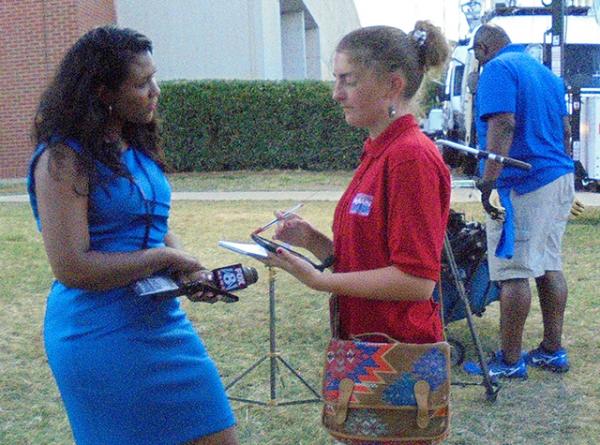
[(221, 282), (480, 154)]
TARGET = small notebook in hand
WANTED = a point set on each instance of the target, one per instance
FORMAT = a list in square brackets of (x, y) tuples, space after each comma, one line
[(263, 246), (252, 250)]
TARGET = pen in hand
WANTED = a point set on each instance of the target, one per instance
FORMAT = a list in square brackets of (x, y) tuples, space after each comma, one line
[(284, 215)]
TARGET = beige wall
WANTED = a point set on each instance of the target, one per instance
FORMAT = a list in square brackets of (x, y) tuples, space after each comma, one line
[(336, 18), (239, 39)]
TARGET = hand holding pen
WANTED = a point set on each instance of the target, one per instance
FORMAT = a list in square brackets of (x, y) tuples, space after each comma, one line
[(280, 217), (296, 231)]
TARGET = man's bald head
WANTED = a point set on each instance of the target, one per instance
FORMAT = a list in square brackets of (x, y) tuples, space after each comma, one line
[(488, 40)]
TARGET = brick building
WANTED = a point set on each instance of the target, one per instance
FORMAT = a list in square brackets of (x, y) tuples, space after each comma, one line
[(34, 34), (242, 39)]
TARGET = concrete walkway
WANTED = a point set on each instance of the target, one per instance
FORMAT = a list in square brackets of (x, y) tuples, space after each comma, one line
[(458, 195)]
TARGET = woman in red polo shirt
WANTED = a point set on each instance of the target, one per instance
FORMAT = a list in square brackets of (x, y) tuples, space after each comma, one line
[(389, 225)]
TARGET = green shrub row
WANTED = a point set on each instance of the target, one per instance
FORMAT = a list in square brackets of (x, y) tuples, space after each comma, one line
[(254, 125)]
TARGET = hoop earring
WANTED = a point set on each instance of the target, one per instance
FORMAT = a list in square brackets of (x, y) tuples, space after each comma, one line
[(391, 111)]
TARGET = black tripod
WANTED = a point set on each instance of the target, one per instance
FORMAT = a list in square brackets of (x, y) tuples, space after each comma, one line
[(491, 387), (274, 356)]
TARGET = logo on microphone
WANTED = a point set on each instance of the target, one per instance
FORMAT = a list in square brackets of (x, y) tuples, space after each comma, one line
[(361, 205), (230, 278)]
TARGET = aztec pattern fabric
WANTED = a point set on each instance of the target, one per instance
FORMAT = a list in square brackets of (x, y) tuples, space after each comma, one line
[(386, 392)]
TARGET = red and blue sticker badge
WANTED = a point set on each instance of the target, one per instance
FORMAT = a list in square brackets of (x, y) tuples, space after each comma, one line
[(361, 205)]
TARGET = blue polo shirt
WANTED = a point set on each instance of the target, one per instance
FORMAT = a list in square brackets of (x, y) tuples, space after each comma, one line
[(514, 82)]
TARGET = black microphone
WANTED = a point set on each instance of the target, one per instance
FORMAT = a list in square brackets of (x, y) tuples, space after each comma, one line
[(221, 282)]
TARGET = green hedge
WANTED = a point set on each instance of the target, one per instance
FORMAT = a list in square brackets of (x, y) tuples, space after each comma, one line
[(255, 125)]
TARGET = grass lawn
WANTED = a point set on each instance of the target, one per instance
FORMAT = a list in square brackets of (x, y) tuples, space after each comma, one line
[(546, 409), (235, 181)]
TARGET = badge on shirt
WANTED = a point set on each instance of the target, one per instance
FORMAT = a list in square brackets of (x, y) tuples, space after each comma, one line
[(361, 204)]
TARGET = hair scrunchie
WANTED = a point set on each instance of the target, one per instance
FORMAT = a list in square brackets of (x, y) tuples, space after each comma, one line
[(419, 36)]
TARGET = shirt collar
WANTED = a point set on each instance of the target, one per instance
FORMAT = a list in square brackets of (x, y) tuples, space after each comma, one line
[(512, 48), (375, 147)]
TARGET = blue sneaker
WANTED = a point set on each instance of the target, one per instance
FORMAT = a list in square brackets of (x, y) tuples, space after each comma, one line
[(498, 368), (554, 361)]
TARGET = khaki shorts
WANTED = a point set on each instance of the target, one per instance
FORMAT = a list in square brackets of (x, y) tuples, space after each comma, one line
[(540, 221)]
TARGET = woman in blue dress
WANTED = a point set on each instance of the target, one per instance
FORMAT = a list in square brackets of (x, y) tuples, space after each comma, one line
[(130, 370)]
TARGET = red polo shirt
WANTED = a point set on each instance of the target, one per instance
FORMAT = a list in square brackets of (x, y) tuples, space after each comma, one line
[(394, 212)]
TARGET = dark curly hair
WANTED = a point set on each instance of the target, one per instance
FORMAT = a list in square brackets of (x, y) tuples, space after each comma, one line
[(71, 108)]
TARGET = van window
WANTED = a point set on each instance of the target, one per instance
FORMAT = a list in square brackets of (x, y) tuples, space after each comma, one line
[(582, 65), (459, 72)]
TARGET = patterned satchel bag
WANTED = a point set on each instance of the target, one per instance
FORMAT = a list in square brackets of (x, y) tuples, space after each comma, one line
[(386, 392)]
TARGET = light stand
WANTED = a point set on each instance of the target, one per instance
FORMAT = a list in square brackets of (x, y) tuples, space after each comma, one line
[(273, 355)]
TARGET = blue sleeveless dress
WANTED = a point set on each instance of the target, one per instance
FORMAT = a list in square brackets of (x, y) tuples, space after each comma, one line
[(130, 370)]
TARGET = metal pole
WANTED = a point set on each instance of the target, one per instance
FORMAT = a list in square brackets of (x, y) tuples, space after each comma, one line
[(557, 44), (481, 154), (491, 387), (272, 341), (273, 355)]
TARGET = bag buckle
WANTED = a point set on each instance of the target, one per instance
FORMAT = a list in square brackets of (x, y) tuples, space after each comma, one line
[(345, 393), (422, 391)]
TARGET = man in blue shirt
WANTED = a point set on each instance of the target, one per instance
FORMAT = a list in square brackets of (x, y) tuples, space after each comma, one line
[(521, 113)]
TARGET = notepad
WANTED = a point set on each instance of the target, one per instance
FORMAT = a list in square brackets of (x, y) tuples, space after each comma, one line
[(250, 249)]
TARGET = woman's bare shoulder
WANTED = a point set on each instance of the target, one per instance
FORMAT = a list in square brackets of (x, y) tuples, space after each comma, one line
[(60, 164)]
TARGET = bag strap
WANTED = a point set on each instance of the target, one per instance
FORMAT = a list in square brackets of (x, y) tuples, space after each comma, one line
[(334, 315), (374, 334), (441, 303)]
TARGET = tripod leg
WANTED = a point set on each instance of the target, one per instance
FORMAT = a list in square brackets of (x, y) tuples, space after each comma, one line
[(247, 371), (272, 338), (491, 387), (273, 357), (293, 371)]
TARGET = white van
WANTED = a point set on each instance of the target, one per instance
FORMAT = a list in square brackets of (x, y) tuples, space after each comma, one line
[(581, 72)]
